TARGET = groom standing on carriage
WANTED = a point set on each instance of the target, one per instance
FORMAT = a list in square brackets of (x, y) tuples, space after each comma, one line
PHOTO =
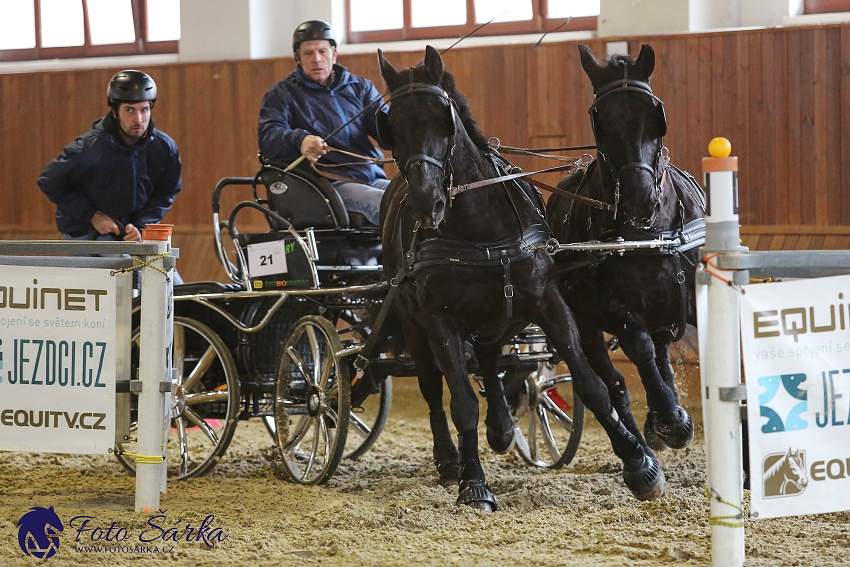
[(307, 107)]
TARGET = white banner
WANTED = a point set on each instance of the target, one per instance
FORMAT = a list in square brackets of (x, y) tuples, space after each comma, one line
[(57, 359), (796, 350)]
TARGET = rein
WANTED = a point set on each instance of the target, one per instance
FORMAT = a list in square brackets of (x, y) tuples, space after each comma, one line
[(571, 168)]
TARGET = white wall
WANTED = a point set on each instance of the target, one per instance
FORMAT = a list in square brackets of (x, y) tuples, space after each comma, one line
[(639, 17), (244, 29), (214, 29)]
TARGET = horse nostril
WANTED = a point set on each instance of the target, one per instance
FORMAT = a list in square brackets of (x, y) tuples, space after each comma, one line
[(438, 207)]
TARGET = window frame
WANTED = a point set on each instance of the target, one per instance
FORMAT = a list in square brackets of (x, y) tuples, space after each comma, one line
[(141, 46), (537, 24)]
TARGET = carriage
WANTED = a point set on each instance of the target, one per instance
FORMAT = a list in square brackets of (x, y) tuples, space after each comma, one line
[(281, 341)]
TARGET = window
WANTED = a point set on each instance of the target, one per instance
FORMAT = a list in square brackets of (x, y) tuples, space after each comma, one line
[(48, 29), (389, 20)]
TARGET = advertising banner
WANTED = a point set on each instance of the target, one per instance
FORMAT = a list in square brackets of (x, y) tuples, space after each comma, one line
[(58, 358), (795, 339)]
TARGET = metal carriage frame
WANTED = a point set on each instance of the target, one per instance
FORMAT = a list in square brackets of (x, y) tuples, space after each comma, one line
[(287, 355)]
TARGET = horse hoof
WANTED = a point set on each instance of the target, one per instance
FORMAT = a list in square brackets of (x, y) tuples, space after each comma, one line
[(502, 442), (449, 474), (652, 439), (677, 434), (476, 495), (646, 480)]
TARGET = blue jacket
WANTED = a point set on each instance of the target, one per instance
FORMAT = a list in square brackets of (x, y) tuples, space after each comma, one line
[(98, 172), (298, 106)]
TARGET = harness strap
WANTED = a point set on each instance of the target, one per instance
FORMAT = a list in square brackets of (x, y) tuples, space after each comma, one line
[(362, 360), (448, 252), (683, 300), (574, 196), (458, 189), (509, 306)]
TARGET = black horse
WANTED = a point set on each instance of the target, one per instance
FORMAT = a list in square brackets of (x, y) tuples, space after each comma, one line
[(473, 266), (646, 297)]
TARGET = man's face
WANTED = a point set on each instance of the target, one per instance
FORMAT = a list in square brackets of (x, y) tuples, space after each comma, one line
[(317, 58), (133, 119)]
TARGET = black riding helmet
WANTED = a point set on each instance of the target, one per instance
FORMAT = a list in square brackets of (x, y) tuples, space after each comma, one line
[(313, 29), (130, 86)]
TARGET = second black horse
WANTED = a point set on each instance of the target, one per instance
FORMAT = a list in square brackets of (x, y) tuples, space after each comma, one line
[(644, 297)]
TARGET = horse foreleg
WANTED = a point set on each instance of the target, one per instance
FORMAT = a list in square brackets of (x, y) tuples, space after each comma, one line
[(499, 421), (596, 349), (641, 471), (472, 487), (446, 456), (662, 361), (667, 423)]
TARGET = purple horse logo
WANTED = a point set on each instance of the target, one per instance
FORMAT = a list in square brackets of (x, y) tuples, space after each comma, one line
[(785, 474), (38, 532)]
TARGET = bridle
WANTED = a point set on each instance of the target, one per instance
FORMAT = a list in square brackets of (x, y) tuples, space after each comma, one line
[(662, 159), (445, 164)]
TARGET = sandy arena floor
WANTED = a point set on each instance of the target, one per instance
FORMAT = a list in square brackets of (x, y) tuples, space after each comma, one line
[(387, 508)]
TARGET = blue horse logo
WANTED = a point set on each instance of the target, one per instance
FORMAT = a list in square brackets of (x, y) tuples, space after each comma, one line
[(38, 532), (783, 402)]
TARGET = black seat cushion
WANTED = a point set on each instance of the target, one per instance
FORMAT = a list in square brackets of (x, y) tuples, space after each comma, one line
[(303, 197)]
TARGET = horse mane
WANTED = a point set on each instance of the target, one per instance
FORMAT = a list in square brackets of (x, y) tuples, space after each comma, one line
[(447, 83), (775, 467)]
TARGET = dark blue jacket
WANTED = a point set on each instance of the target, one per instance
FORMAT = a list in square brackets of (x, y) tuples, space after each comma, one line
[(98, 172), (298, 106)]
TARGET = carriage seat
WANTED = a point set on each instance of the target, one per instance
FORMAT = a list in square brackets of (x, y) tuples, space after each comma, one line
[(305, 198)]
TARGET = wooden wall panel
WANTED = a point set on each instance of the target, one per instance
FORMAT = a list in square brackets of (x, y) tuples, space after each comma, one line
[(778, 94)]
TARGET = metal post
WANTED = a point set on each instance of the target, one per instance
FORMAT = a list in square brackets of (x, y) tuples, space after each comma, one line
[(720, 361), (153, 371)]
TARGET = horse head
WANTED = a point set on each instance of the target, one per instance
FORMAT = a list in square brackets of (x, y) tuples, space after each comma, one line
[(628, 122), (421, 127), (796, 471)]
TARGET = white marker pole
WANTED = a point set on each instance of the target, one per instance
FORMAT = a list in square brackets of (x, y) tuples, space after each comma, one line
[(153, 371), (720, 359)]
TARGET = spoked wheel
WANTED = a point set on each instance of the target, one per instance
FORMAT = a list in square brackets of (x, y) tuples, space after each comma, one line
[(549, 418), (368, 420), (204, 402), (312, 402), (365, 422)]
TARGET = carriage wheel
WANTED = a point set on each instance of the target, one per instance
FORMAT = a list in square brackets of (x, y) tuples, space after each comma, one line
[(204, 403), (549, 418), (368, 421), (365, 422), (312, 402)]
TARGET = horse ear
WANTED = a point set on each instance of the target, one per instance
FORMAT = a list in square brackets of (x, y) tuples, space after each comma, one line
[(434, 62), (388, 72), (645, 62), (588, 61)]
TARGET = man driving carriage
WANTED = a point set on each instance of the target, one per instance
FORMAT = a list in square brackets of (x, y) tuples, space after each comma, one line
[(299, 112)]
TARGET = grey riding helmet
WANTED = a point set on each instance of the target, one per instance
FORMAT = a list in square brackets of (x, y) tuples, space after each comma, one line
[(130, 86), (311, 30)]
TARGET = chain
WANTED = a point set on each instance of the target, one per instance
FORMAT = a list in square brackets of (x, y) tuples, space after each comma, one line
[(734, 521), (139, 264), (142, 459)]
